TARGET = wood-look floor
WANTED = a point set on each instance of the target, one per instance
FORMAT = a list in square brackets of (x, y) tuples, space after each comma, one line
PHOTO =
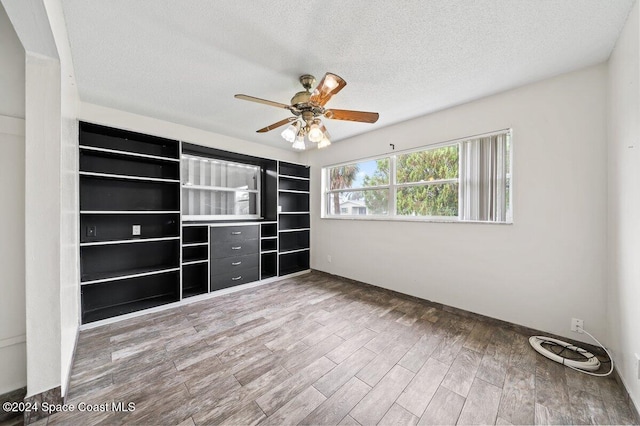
[(320, 350)]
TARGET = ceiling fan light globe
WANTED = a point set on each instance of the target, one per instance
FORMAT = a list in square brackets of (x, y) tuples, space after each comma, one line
[(289, 134), (325, 142), (299, 143), (315, 133)]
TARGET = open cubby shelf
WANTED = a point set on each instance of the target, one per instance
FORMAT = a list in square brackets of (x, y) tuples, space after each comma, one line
[(195, 279), (190, 254), (293, 202), (268, 267), (121, 164), (121, 140), (113, 298), (293, 262), (288, 222), (294, 241), (109, 194), (117, 260), (102, 228), (268, 230), (293, 170), (288, 184), (268, 245)]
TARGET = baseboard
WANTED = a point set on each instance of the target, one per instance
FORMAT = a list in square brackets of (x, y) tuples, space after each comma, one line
[(627, 395), (15, 396)]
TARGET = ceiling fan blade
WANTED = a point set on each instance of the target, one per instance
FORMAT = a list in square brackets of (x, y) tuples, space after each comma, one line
[(348, 115), (329, 86), (276, 125), (262, 101)]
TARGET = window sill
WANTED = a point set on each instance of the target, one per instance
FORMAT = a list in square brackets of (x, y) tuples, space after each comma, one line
[(411, 219)]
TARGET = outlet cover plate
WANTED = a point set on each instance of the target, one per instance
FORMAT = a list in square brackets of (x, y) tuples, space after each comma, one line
[(577, 324), (136, 230)]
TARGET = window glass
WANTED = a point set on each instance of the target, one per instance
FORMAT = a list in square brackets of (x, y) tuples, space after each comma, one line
[(363, 202), (428, 200), (429, 165), (360, 175)]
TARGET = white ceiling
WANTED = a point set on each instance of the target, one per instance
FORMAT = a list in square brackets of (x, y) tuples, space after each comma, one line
[(183, 61)]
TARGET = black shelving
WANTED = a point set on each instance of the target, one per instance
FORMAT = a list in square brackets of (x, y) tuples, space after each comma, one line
[(99, 193), (268, 244), (294, 220), (268, 268), (195, 279), (293, 262), (195, 253), (122, 164), (195, 234), (101, 301), (268, 230), (195, 260), (129, 221), (105, 227)]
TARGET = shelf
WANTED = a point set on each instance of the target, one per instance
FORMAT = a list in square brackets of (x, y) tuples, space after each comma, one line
[(269, 230), (292, 262), (193, 253), (117, 164), (129, 211), (268, 251), (195, 244), (294, 212), (193, 235), (133, 273), (128, 154), (294, 222), (113, 176), (294, 251), (293, 241), (139, 240), (218, 188), (109, 299), (291, 191), (93, 135), (195, 262), (103, 262), (295, 230), (268, 244), (293, 177), (293, 171), (100, 194), (268, 238), (95, 228), (268, 265), (195, 279)]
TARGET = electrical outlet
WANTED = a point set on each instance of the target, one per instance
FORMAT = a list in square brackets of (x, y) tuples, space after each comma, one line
[(329, 258), (577, 325), (92, 231), (136, 230)]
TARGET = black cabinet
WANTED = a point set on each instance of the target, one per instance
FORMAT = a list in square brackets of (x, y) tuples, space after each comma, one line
[(235, 255), (129, 221), (293, 218)]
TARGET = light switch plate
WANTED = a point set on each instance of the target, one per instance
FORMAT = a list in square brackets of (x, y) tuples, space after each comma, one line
[(136, 230)]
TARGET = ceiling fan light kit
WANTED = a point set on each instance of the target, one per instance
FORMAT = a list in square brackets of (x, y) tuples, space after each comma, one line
[(308, 107)]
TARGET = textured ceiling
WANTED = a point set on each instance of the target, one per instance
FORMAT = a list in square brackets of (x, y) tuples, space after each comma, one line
[(183, 61)]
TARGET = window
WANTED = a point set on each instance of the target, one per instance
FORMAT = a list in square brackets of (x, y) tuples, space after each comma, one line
[(465, 180)]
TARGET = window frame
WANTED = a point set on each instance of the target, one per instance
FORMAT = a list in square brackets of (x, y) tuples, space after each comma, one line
[(393, 186)]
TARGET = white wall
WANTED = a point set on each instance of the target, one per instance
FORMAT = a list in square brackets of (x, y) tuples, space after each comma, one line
[(69, 214), (624, 202), (539, 272), (13, 370), (152, 126)]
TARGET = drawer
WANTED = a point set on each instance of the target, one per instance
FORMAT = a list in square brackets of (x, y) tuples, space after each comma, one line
[(229, 265), (232, 249), (233, 279), (234, 233)]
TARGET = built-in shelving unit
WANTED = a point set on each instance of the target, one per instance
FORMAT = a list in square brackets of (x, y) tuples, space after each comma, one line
[(163, 221), (293, 218), (129, 221), (195, 260)]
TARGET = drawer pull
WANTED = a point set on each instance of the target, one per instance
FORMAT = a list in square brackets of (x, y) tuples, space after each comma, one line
[(235, 263), (236, 278), (236, 248), (236, 233)]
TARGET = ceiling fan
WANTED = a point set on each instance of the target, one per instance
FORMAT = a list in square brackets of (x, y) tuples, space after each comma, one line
[(308, 107)]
